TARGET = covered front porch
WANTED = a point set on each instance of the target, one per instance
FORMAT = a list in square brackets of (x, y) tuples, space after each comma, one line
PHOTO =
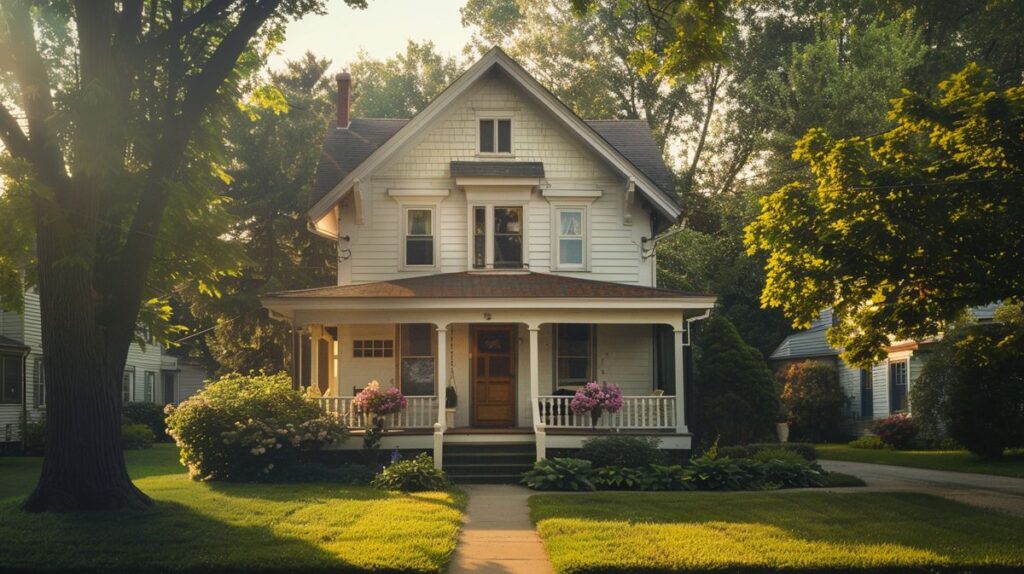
[(512, 363)]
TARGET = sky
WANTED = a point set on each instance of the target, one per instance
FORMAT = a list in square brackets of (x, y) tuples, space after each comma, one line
[(382, 29)]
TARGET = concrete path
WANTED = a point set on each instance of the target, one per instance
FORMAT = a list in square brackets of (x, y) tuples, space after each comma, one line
[(497, 535), (1000, 493)]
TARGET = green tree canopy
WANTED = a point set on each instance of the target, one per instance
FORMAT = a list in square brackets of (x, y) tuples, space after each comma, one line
[(903, 230), (111, 117), (400, 86)]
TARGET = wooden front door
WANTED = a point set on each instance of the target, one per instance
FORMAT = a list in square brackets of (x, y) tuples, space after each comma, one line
[(494, 376)]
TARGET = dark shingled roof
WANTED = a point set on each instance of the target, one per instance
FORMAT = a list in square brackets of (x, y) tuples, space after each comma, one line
[(8, 343), (344, 149), (486, 285), (497, 169)]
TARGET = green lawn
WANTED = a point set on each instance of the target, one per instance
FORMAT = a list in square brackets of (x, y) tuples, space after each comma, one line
[(956, 460), (217, 527), (816, 531)]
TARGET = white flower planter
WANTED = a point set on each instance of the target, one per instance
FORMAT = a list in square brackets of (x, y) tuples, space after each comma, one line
[(449, 418)]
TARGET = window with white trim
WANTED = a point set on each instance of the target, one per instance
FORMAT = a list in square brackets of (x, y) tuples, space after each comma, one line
[(148, 386), (571, 244), (416, 363), (128, 384), (39, 383), (495, 135), (898, 386), (419, 237), (11, 378), (498, 236), (574, 354), (373, 348)]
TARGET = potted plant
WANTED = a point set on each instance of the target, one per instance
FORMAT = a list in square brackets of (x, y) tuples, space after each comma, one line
[(378, 404), (782, 426), (596, 398), (451, 400)]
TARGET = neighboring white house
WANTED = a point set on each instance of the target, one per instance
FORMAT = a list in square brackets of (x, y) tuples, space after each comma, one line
[(874, 393), (498, 244), (150, 375)]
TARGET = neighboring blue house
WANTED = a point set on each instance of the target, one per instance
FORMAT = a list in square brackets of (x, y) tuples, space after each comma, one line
[(874, 393)]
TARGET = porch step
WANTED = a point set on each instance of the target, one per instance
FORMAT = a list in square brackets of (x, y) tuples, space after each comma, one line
[(492, 463)]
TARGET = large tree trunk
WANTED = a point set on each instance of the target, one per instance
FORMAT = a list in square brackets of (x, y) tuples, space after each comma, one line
[(84, 468)]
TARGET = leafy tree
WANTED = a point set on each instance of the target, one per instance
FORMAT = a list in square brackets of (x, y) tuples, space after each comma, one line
[(402, 85), (904, 230), (117, 169), (275, 154), (973, 387), (812, 394), (734, 395)]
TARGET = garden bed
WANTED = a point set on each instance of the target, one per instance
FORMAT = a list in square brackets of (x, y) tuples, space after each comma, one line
[(219, 527), (796, 531)]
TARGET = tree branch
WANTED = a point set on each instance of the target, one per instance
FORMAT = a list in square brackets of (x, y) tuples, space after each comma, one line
[(11, 135), (209, 13)]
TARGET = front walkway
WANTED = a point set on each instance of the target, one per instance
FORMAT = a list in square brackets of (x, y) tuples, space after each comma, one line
[(984, 490), (497, 535)]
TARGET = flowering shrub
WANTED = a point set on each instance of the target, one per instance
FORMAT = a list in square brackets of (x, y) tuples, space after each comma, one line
[(413, 475), (242, 427), (897, 431), (596, 397), (379, 403)]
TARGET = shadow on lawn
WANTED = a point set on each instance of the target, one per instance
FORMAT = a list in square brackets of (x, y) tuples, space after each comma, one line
[(171, 537)]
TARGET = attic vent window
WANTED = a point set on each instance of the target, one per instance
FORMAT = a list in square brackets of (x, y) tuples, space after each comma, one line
[(496, 135)]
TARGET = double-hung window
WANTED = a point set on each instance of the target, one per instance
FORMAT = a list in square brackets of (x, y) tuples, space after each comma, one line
[(10, 379), (39, 384), (498, 237), (495, 136), (128, 384), (574, 354), (419, 237), (148, 386), (898, 386), (416, 361), (571, 240)]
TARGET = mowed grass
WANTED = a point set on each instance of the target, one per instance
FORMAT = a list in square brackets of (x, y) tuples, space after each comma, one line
[(218, 527), (797, 531), (1012, 463)]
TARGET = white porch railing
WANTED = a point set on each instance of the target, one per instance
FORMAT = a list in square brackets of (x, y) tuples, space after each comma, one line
[(646, 412), (420, 412)]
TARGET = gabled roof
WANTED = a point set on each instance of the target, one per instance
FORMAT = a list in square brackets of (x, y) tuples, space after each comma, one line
[(496, 285), (805, 344), (348, 157)]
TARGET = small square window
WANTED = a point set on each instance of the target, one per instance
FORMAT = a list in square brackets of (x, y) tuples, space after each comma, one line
[(373, 348), (496, 136)]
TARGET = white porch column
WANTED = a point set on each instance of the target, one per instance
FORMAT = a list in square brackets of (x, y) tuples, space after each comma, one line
[(315, 332), (442, 372), (538, 425), (337, 364), (677, 346)]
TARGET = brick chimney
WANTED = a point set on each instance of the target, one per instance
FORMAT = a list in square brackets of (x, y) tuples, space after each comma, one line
[(344, 98)]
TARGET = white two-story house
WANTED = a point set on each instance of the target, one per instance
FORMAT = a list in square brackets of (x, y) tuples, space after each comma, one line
[(500, 245)]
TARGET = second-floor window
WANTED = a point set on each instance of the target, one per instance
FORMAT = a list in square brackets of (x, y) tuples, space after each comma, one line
[(498, 237), (496, 135), (570, 238), (419, 237)]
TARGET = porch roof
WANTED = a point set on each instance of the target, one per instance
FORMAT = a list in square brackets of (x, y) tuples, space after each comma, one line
[(488, 285), (8, 344)]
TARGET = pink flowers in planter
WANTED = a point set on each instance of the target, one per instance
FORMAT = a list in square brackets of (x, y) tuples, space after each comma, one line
[(373, 401), (596, 398)]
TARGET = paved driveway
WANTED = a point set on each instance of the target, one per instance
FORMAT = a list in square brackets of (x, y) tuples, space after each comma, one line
[(994, 492)]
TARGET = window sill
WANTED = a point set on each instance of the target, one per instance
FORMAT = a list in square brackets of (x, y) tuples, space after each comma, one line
[(495, 154)]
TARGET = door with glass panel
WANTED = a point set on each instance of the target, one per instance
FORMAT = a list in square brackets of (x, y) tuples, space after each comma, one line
[(494, 376)]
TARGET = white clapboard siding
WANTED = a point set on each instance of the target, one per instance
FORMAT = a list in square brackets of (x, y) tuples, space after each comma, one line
[(372, 250)]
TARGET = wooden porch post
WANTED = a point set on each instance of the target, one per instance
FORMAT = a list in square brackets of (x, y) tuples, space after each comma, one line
[(677, 348)]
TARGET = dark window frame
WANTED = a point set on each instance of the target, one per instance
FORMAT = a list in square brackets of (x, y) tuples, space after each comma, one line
[(16, 382), (401, 357), (867, 393), (591, 356), (899, 386), (521, 234), (373, 348), (496, 137)]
